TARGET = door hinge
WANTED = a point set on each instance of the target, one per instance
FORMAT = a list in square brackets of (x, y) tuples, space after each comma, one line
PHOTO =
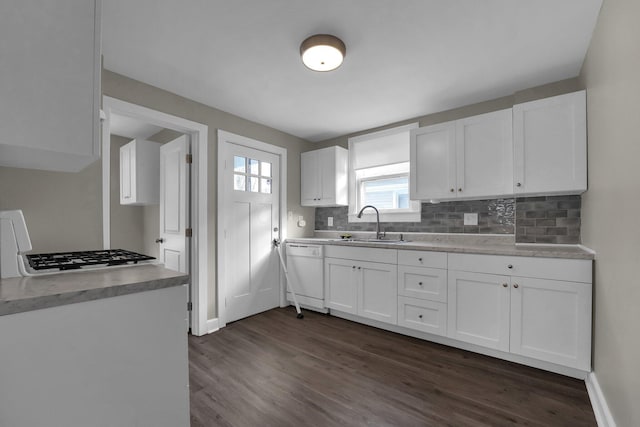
[(189, 306), (189, 158), (188, 232)]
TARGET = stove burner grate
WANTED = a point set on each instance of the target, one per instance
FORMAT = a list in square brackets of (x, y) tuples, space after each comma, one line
[(76, 260)]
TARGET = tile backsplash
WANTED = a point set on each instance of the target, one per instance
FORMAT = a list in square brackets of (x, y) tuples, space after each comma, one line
[(549, 219)]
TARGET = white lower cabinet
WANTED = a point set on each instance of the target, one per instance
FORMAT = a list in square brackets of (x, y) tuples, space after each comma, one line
[(540, 318), (539, 308), (479, 309), (551, 320), (340, 285), (364, 288), (422, 291)]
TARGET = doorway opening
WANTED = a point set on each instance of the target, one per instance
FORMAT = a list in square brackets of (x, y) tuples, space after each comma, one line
[(167, 127)]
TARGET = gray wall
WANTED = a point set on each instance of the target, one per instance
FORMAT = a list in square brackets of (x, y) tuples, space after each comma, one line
[(539, 92), (611, 74), (62, 210), (126, 89)]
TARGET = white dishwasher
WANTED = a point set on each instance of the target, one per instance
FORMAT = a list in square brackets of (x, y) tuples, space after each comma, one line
[(305, 264)]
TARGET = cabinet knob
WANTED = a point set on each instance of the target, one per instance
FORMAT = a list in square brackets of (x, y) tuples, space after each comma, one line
[(359, 268), (509, 266), (515, 285), (419, 283), (420, 316), (420, 259), (518, 184), (460, 189), (353, 266), (504, 285), (452, 190)]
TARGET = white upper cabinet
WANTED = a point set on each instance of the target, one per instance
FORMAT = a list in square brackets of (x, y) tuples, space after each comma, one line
[(50, 84), (550, 145), (463, 159), (140, 173), (484, 153), (324, 177), (433, 162)]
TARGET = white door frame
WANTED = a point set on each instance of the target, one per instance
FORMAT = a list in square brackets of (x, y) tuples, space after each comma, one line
[(199, 140), (223, 147)]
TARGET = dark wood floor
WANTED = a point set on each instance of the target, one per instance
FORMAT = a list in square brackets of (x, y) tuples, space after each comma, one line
[(275, 370)]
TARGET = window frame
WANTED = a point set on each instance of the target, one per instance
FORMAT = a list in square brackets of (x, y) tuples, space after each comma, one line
[(410, 214)]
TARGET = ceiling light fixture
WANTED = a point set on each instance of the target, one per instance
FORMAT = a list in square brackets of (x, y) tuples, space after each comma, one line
[(322, 52)]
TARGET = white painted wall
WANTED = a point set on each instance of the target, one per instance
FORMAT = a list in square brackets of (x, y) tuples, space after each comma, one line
[(610, 208)]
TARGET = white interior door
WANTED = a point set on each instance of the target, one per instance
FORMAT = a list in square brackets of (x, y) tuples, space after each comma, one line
[(174, 197), (250, 205)]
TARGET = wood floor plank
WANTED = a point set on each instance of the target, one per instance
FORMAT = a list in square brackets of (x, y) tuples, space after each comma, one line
[(274, 369)]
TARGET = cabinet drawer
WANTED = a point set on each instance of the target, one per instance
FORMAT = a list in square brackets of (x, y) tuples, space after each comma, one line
[(421, 315), (387, 256), (423, 259), (575, 270), (424, 283)]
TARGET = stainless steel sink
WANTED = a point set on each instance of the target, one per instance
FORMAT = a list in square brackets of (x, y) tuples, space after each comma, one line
[(377, 241)]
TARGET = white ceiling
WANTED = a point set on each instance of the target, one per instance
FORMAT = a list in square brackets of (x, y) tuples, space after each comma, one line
[(405, 58)]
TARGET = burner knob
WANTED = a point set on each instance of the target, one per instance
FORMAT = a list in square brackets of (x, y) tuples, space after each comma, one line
[(160, 240)]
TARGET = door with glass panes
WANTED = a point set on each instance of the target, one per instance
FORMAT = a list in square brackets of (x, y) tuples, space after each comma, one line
[(251, 200)]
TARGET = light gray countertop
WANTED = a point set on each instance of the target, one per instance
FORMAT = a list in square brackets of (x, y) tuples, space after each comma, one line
[(472, 246), (36, 292)]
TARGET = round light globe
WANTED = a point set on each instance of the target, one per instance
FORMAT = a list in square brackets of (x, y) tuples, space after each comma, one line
[(322, 52)]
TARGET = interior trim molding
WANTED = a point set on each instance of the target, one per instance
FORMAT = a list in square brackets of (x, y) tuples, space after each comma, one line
[(199, 259), (212, 325), (598, 402)]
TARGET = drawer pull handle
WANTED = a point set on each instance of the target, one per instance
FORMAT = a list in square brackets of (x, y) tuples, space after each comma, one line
[(509, 266), (353, 266), (460, 189), (359, 268), (420, 259), (419, 283), (504, 285), (452, 190), (420, 316), (515, 286)]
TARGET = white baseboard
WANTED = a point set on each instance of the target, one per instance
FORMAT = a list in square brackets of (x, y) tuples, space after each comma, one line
[(212, 325), (598, 402)]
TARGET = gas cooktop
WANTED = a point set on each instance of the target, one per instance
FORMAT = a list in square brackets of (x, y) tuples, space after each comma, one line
[(83, 259)]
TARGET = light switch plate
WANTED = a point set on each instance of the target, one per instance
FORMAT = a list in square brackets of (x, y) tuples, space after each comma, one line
[(471, 219)]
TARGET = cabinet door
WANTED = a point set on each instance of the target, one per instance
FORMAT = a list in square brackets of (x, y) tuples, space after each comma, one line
[(378, 291), (50, 84), (551, 320), (327, 176), (127, 173), (550, 145), (478, 309), (340, 285), (309, 179), (484, 150), (432, 160)]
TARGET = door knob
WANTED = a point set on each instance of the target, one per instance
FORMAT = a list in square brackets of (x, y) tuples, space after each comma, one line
[(160, 240)]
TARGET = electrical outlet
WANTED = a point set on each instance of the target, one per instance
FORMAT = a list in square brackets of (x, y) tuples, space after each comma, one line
[(471, 219), (330, 221)]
